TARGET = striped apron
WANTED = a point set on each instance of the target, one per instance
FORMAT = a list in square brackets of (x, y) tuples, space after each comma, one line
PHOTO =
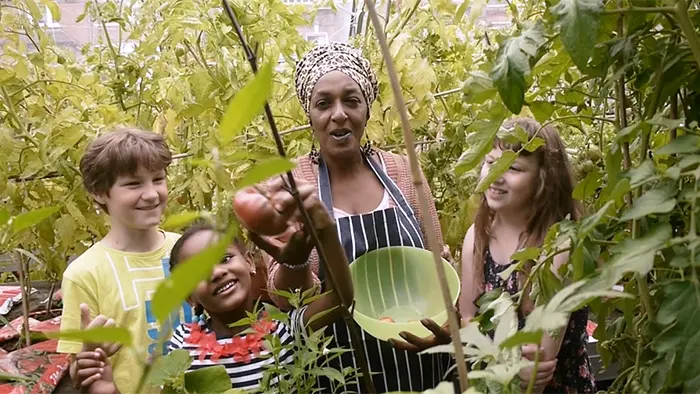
[(392, 369)]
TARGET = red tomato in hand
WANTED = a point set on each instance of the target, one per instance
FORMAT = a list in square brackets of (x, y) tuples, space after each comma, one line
[(255, 213)]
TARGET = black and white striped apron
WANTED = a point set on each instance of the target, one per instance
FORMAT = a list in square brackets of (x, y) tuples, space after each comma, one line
[(392, 369)]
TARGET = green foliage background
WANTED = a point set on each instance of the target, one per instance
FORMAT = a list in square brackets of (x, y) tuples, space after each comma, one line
[(618, 78)]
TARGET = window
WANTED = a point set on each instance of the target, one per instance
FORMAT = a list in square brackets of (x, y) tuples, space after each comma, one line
[(47, 20), (318, 38)]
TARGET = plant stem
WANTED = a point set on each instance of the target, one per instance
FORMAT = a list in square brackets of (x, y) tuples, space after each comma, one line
[(115, 55), (643, 10), (404, 21), (21, 127), (674, 114), (533, 376), (422, 198), (681, 10), (23, 280), (345, 304)]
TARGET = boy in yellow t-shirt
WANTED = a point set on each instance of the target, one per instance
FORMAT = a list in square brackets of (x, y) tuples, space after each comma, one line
[(125, 172)]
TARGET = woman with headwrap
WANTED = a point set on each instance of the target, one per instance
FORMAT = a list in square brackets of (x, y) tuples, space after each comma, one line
[(374, 203)]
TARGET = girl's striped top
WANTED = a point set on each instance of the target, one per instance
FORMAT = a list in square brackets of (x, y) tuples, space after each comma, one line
[(248, 375)]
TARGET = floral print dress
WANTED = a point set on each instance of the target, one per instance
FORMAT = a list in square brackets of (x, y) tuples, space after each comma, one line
[(573, 373)]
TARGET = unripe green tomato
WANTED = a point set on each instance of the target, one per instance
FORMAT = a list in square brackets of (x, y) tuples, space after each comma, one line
[(595, 153), (587, 166), (179, 52)]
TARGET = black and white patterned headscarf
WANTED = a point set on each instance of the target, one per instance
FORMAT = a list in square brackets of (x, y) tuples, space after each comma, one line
[(335, 56)]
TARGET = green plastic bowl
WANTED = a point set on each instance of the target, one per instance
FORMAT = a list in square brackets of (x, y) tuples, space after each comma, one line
[(399, 283)]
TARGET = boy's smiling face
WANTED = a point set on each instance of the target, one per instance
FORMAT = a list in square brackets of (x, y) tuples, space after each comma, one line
[(137, 201)]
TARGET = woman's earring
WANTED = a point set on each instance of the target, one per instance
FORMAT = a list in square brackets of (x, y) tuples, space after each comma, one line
[(367, 149), (314, 154)]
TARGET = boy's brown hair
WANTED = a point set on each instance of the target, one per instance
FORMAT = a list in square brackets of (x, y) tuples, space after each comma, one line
[(122, 152)]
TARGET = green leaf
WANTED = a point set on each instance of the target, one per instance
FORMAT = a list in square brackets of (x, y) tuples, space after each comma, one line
[(513, 61), (186, 276), (498, 168), (533, 144), (207, 380), (480, 142), (4, 216), (689, 367), (514, 135), (319, 315), (180, 220), (6, 377), (542, 110), (460, 11), (578, 21), (526, 254), (95, 335), (659, 200), (173, 365), (265, 169), (644, 173), (32, 218), (588, 186), (247, 104), (332, 374), (53, 8), (34, 9), (637, 255), (682, 144), (522, 338)]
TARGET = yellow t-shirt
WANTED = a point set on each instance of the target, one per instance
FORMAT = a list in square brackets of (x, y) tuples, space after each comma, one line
[(119, 285)]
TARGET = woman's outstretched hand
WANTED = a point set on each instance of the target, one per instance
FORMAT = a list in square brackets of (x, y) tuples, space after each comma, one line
[(414, 343), (293, 245)]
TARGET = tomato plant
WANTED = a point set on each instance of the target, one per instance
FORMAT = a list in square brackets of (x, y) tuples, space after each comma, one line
[(619, 79)]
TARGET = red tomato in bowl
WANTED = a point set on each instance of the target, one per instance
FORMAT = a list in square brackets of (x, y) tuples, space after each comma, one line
[(255, 213)]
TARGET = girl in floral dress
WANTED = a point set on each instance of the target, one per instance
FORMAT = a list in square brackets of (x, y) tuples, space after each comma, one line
[(516, 212)]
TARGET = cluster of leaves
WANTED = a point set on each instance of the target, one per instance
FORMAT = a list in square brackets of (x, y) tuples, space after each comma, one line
[(311, 355), (625, 74), (619, 78)]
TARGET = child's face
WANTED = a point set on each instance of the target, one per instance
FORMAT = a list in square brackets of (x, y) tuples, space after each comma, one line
[(137, 201), (514, 190), (229, 286)]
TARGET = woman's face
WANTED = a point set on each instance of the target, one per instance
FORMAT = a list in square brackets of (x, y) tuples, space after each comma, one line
[(338, 113), (513, 191), (229, 286)]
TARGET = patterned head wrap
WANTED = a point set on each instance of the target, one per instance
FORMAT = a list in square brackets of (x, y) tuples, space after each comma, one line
[(335, 56)]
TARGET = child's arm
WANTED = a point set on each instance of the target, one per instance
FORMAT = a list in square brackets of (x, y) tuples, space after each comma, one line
[(549, 347), (470, 285)]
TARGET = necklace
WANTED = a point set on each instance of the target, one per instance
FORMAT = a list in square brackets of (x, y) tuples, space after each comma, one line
[(241, 348)]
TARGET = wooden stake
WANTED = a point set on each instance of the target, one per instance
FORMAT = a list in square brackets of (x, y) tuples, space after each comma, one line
[(422, 198), (24, 280)]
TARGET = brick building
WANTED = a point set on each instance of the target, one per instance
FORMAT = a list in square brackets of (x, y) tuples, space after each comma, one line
[(327, 27)]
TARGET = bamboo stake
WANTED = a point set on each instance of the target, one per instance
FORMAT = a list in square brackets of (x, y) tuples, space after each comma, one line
[(422, 198), (23, 280), (345, 304)]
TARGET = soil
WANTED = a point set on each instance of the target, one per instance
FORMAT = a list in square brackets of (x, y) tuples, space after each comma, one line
[(37, 310), (35, 305)]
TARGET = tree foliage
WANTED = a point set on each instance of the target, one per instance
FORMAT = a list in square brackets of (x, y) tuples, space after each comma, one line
[(618, 78)]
